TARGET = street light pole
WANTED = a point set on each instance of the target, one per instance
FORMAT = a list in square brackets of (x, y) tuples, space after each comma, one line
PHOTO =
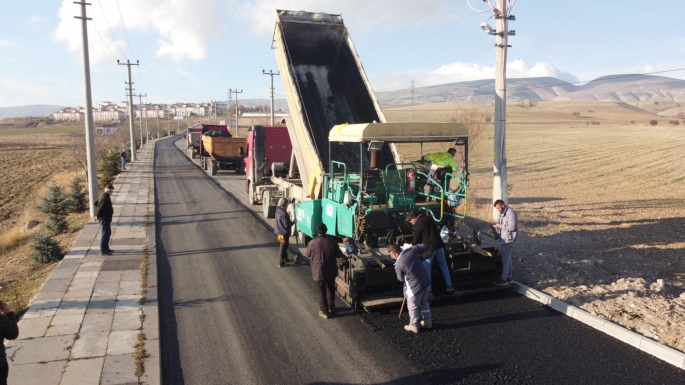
[(237, 127)]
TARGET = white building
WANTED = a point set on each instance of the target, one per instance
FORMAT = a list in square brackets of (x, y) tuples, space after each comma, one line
[(70, 114)]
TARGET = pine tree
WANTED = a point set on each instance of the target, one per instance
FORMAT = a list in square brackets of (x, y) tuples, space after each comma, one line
[(77, 196), (46, 249), (55, 206), (110, 167)]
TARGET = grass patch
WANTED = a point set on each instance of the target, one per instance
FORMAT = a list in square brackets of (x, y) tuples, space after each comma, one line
[(140, 355)]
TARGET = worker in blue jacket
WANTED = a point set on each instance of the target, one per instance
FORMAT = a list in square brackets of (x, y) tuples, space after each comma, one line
[(409, 269)]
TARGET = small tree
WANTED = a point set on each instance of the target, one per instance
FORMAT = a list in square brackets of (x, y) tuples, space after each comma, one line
[(109, 168), (77, 196), (653, 122), (46, 249), (56, 207)]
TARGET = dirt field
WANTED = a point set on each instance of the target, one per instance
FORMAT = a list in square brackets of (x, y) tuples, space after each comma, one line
[(601, 207), (31, 159)]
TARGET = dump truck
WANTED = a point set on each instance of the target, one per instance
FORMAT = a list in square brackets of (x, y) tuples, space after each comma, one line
[(345, 170), (220, 150), (193, 141), (268, 155)]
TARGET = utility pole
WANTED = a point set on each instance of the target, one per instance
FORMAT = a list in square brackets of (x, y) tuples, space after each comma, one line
[(271, 74), (130, 106), (140, 108), (157, 114), (90, 132), (237, 128), (230, 102), (499, 186)]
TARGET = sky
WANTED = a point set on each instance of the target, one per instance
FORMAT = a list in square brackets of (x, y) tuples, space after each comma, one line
[(195, 50)]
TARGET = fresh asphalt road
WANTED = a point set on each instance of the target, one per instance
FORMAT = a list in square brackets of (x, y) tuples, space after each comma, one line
[(229, 315)]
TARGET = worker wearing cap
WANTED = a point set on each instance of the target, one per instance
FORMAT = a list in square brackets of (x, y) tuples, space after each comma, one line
[(441, 160), (103, 214), (283, 228), (324, 252), (410, 270)]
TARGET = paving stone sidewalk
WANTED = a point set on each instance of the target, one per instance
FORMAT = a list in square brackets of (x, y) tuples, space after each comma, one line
[(84, 325)]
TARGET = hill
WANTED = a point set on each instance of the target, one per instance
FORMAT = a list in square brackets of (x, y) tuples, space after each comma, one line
[(28, 111), (616, 88)]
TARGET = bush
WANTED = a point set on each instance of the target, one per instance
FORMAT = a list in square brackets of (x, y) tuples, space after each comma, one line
[(77, 196), (46, 249), (488, 119), (56, 206), (110, 167), (674, 123), (653, 122), (632, 122), (575, 114)]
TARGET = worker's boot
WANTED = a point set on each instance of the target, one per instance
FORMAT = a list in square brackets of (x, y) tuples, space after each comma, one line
[(426, 326), (323, 314), (411, 328)]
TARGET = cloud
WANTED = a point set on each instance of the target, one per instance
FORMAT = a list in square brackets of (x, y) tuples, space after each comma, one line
[(376, 14), (461, 72), (5, 43), (19, 90), (183, 27), (649, 69), (38, 19)]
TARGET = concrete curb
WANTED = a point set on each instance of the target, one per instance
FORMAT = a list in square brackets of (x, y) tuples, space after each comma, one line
[(153, 367), (636, 340)]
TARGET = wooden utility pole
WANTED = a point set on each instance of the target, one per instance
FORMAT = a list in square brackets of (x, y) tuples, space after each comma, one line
[(90, 132), (271, 74), (130, 107)]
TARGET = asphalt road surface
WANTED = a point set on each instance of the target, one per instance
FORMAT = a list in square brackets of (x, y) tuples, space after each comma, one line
[(229, 315)]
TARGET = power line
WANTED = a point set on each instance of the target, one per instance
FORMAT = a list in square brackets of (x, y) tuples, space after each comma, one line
[(125, 33), (417, 33), (110, 29), (410, 24), (102, 40)]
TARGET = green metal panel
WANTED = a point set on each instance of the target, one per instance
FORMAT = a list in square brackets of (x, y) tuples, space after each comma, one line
[(308, 216), (329, 214), (346, 220)]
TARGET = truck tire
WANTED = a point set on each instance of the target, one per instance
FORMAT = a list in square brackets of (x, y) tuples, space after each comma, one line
[(251, 194), (268, 210), (240, 168), (213, 168), (193, 153)]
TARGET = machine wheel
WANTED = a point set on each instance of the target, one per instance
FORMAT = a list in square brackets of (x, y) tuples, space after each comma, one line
[(203, 163), (268, 210), (213, 169), (193, 153)]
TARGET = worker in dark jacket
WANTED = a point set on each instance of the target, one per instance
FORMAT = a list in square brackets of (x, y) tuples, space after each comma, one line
[(8, 331), (416, 281), (426, 233), (103, 214), (283, 228), (323, 251)]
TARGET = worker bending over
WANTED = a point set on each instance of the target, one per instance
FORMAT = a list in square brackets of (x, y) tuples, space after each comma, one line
[(441, 160), (409, 270)]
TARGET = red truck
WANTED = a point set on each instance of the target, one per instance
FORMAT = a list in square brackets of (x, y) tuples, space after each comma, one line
[(193, 140), (269, 153)]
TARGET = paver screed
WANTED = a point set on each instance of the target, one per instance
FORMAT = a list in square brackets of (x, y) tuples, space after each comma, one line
[(84, 325)]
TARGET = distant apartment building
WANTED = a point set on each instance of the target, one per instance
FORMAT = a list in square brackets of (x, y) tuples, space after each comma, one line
[(153, 111), (201, 109), (108, 114), (70, 114)]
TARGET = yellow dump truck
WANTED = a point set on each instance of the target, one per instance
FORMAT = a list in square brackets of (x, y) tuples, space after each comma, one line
[(222, 151)]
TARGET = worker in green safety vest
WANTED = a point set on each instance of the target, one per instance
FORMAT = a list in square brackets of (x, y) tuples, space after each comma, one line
[(441, 160)]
